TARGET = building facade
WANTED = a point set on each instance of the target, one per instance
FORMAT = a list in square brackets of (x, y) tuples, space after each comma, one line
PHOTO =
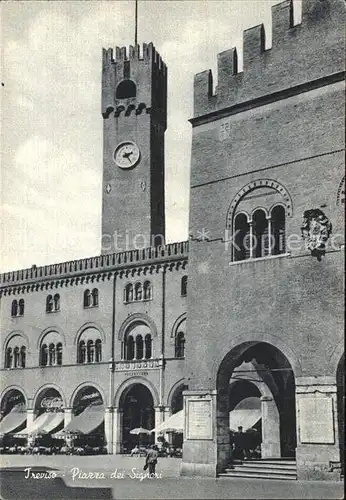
[(107, 335)]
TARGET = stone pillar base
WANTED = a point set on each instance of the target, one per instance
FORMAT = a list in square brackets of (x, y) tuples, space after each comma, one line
[(196, 469)]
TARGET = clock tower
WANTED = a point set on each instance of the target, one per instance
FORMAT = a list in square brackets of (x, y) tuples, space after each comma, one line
[(134, 110)]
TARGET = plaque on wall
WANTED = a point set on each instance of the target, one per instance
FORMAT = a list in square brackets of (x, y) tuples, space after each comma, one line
[(199, 419), (316, 420)]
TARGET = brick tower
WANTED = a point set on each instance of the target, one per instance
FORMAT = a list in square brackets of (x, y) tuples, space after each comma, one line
[(134, 109)]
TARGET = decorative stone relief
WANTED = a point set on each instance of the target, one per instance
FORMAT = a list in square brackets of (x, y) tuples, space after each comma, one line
[(316, 229)]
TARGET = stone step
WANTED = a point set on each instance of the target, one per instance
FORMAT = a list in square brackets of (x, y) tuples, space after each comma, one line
[(267, 465), (286, 461), (257, 475), (265, 470)]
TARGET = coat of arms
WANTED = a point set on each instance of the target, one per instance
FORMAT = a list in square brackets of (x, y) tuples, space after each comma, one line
[(316, 230)]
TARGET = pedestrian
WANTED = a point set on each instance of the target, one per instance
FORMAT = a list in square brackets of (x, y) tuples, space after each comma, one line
[(151, 459)]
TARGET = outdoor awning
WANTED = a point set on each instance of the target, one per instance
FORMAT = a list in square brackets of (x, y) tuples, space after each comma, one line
[(174, 423), (87, 421), (246, 414), (35, 425), (239, 417), (244, 418), (14, 419)]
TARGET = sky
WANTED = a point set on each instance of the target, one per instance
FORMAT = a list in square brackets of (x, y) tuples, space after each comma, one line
[(51, 123)]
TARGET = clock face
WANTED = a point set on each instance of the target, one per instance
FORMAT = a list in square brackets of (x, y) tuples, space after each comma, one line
[(126, 154)]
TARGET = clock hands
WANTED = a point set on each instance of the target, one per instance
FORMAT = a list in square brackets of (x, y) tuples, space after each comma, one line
[(127, 155)]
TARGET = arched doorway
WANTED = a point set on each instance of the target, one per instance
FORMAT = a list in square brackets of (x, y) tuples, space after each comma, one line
[(340, 394), (86, 428), (268, 368), (137, 406), (13, 417)]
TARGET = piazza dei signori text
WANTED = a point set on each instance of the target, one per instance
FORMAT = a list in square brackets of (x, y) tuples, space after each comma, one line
[(238, 330)]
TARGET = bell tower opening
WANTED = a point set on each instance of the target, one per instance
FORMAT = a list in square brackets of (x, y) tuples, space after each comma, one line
[(134, 110)]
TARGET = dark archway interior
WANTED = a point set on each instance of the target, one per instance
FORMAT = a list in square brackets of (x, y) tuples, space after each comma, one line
[(177, 403), (13, 398), (275, 371), (138, 411), (86, 397), (340, 383)]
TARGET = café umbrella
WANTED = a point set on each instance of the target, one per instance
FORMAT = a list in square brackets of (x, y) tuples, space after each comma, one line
[(140, 431)]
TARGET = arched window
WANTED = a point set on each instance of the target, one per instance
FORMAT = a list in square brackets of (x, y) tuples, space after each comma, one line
[(126, 89), (261, 235), (87, 298), (148, 343), (21, 307), (129, 351), (59, 354), (278, 230), (147, 290), (49, 304), (14, 308), (44, 355), (81, 352), (90, 351), (51, 355), (95, 297), (98, 351), (56, 302), (184, 286), (8, 359), (180, 345), (241, 238), (128, 293), (138, 291), (22, 356), (139, 347)]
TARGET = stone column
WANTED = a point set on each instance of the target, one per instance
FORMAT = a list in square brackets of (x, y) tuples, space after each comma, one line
[(109, 429), (68, 414), (167, 412), (29, 421), (205, 439), (270, 447), (29, 417), (317, 428), (117, 430), (159, 418)]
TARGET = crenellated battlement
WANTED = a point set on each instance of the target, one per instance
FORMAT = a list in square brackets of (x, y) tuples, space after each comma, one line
[(298, 55), (101, 263), (134, 53)]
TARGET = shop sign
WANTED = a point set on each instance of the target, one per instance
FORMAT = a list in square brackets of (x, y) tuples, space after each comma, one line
[(52, 404)]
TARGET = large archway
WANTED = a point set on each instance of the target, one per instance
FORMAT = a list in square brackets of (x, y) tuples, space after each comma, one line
[(268, 371), (137, 406), (13, 416), (340, 394), (86, 428)]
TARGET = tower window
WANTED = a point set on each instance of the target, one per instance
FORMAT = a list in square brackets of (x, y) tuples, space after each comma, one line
[(14, 308), (184, 286), (21, 307), (126, 89)]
